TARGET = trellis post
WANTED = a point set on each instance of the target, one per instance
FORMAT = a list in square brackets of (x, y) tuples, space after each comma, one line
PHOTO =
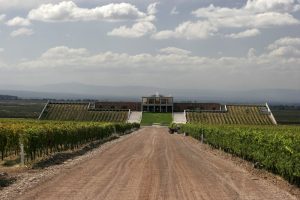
[(22, 155)]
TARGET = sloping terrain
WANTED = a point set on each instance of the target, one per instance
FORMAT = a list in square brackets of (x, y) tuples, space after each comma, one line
[(236, 114), (81, 112), (150, 118)]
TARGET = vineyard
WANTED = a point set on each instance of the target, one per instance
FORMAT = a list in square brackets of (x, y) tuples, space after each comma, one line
[(41, 138), (235, 114), (81, 112), (275, 148)]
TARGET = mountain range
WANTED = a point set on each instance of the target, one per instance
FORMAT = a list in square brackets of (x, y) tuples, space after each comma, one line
[(134, 93)]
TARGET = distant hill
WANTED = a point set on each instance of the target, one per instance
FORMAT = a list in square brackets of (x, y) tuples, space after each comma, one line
[(8, 97), (84, 91)]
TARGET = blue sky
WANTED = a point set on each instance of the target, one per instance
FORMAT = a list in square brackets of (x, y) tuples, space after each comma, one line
[(191, 44)]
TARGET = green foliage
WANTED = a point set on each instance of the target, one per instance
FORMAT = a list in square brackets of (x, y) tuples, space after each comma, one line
[(160, 118), (287, 116), (236, 114), (42, 138), (275, 148), (80, 112), (123, 128), (21, 108)]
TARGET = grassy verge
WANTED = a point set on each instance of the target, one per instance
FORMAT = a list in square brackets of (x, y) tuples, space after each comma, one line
[(159, 118)]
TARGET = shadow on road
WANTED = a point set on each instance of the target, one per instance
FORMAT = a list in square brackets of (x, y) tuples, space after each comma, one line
[(61, 157)]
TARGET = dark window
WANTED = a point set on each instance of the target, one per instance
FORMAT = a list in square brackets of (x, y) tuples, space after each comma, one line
[(151, 101), (157, 101)]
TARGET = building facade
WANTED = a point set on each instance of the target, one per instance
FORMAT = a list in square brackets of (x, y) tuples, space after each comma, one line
[(157, 103)]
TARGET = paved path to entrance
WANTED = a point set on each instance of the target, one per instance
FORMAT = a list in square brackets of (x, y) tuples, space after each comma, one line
[(153, 164)]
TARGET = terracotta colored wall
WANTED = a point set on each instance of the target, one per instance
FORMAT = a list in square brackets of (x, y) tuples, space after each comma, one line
[(180, 107), (134, 106)]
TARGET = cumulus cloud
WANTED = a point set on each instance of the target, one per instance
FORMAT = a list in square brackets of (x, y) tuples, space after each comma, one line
[(69, 11), (18, 21), (22, 32), (254, 15), (253, 70), (143, 27), (233, 17), (188, 30), (285, 47), (272, 5), (244, 34), (65, 57), (171, 57), (62, 52), (286, 41), (137, 30), (174, 50), (285, 51)]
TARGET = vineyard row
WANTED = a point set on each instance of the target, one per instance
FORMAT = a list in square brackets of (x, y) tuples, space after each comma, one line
[(276, 149), (44, 138)]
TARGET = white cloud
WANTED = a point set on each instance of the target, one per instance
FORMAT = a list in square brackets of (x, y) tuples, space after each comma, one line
[(151, 9), (69, 11), (286, 41), (174, 11), (18, 21), (252, 70), (233, 17), (251, 53), (285, 47), (27, 4), (188, 30), (254, 15), (272, 5), (22, 32), (1, 50), (62, 52), (212, 12), (285, 51), (139, 29), (245, 34), (169, 58), (272, 19), (174, 50), (2, 17), (65, 57)]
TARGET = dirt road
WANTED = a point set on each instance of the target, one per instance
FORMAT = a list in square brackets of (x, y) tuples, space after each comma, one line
[(153, 164)]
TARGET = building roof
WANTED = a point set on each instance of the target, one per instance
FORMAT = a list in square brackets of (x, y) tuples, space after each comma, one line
[(158, 95)]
